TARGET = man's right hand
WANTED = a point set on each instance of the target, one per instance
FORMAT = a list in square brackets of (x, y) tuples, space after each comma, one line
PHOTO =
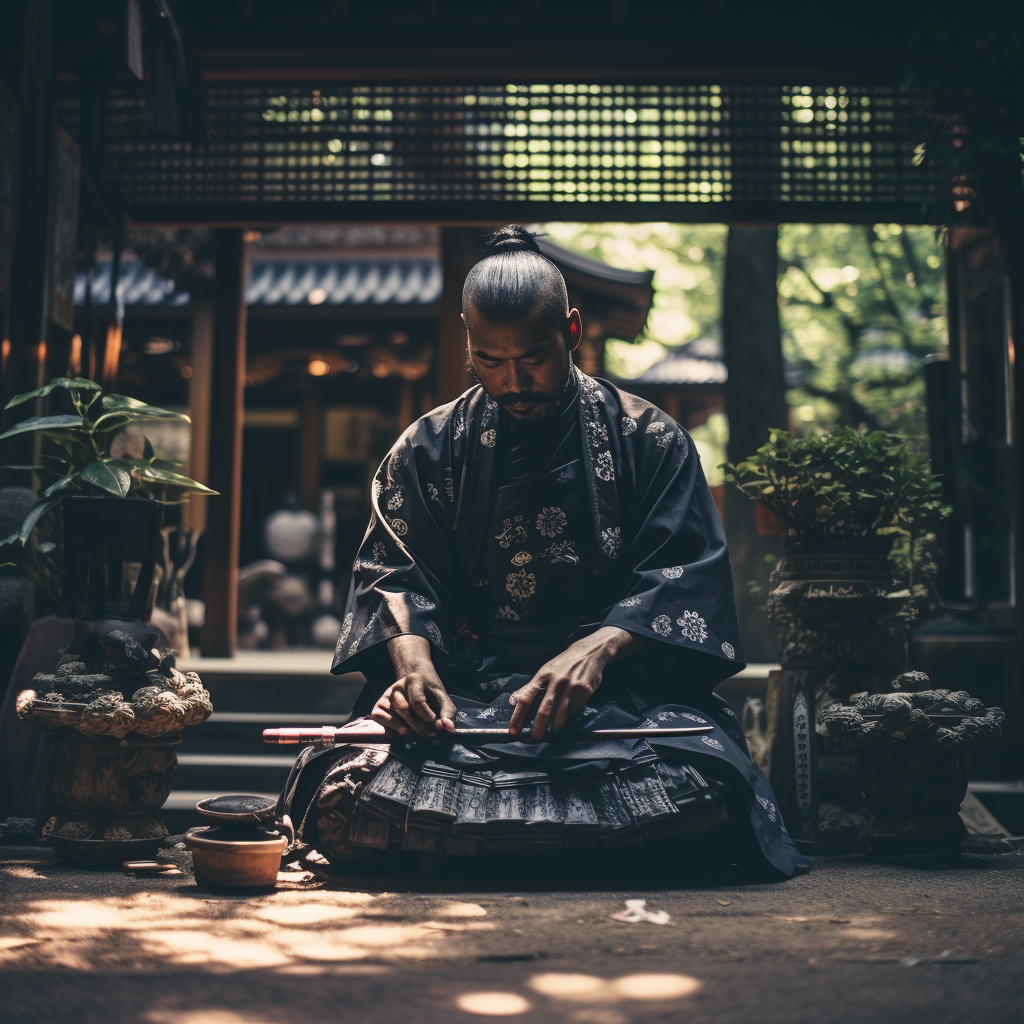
[(417, 701)]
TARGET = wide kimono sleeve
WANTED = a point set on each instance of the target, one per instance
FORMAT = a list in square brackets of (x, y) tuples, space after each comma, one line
[(402, 578), (677, 581)]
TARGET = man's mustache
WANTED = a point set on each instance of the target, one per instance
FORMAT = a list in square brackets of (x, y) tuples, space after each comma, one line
[(523, 397)]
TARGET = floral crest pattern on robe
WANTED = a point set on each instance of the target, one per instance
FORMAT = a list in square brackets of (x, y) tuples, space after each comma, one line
[(656, 535)]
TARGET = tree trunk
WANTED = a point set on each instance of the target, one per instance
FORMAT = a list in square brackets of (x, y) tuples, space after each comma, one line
[(755, 401)]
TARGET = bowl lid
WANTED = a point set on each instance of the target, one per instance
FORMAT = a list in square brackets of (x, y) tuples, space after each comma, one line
[(238, 807)]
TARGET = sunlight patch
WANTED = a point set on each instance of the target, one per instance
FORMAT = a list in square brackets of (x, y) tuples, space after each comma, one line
[(492, 1004)]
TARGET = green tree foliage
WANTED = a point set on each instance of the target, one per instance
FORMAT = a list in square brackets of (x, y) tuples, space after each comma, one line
[(861, 306), (688, 261)]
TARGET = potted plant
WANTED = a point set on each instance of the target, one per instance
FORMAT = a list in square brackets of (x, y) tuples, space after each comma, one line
[(110, 489), (115, 705), (841, 592), (853, 508)]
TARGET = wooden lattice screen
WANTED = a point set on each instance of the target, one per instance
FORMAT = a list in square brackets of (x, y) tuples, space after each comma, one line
[(582, 150)]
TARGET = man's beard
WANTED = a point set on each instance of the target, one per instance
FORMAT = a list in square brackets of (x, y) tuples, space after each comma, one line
[(546, 403)]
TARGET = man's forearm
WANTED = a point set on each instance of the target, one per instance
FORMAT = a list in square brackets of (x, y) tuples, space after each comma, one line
[(410, 653)]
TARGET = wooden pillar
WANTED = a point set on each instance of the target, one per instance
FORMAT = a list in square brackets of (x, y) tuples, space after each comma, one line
[(458, 254), (201, 361), (30, 266), (227, 407), (310, 452)]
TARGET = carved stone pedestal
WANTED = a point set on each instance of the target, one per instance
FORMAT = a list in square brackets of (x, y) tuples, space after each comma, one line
[(909, 747), (105, 796), (841, 631)]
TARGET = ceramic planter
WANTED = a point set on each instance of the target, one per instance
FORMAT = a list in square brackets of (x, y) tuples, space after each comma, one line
[(110, 548)]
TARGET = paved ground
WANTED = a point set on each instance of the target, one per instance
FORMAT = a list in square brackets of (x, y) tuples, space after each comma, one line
[(850, 941)]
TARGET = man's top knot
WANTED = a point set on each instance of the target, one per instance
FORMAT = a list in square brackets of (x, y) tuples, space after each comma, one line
[(511, 238), (522, 284)]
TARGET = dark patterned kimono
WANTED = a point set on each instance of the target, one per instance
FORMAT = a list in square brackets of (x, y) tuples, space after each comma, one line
[(501, 542)]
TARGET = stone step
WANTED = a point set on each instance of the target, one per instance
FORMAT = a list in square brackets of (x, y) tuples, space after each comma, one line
[(232, 773), (241, 732), (278, 681)]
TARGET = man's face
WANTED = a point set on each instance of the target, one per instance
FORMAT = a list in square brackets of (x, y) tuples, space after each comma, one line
[(524, 365)]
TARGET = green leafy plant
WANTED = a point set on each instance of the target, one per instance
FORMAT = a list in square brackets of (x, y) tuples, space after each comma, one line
[(843, 483), (95, 449)]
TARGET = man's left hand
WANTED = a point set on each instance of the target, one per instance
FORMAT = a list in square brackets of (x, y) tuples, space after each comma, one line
[(568, 680)]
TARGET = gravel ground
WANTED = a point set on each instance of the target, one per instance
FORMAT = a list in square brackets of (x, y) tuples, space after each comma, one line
[(850, 941)]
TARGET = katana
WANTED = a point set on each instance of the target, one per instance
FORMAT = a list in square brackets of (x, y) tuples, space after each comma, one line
[(372, 733)]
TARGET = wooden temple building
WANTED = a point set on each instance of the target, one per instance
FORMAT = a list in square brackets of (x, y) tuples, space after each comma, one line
[(340, 160)]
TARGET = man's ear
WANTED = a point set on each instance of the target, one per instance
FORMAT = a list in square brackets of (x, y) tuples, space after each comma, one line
[(574, 329)]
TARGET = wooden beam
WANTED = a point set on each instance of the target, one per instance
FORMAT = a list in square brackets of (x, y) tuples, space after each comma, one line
[(473, 212), (227, 389)]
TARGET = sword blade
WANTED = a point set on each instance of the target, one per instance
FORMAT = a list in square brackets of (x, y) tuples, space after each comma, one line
[(378, 734)]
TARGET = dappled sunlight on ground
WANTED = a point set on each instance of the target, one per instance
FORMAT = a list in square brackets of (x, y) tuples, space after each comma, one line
[(269, 931), (339, 948), (492, 1004), (665, 989), (204, 1017)]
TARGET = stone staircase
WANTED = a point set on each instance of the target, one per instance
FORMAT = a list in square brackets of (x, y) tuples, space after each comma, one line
[(251, 692), (260, 689)]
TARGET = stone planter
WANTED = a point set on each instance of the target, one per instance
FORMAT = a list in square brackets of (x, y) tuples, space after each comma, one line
[(909, 748), (111, 758), (834, 609), (105, 795), (841, 631)]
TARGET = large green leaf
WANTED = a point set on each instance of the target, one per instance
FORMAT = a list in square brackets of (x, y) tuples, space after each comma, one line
[(37, 423), (62, 484), (121, 410), (166, 477), (68, 383), (110, 475), (34, 516)]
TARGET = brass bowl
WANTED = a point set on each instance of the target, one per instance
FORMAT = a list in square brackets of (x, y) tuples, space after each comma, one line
[(238, 859)]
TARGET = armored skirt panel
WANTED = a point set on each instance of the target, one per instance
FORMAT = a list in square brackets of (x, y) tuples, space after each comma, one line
[(437, 796)]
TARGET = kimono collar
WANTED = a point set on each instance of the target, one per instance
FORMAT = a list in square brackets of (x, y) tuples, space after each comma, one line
[(528, 443)]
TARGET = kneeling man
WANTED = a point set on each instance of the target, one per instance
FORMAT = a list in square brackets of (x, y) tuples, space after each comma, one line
[(543, 551)]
